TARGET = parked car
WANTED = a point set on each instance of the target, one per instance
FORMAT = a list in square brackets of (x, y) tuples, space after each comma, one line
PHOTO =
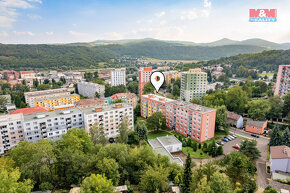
[(230, 137), (233, 135), (255, 135), (220, 143), (236, 146), (225, 139)]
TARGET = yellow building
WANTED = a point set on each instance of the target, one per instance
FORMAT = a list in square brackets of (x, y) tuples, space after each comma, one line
[(57, 103), (171, 75)]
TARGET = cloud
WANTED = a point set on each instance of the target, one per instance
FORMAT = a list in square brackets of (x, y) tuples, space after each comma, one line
[(74, 33), (4, 34), (189, 15), (160, 14), (23, 33), (9, 10), (206, 3), (34, 17), (49, 33), (36, 1)]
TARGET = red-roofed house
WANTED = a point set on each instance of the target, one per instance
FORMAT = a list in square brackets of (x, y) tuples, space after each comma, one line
[(257, 127), (235, 120), (29, 110), (86, 103), (27, 74), (129, 98)]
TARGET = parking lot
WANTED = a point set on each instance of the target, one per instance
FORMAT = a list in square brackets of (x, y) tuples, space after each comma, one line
[(228, 147)]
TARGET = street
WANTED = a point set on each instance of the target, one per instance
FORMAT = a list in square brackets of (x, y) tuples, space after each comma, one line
[(260, 163)]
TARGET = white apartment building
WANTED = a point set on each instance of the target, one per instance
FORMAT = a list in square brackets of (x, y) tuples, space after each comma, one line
[(89, 89), (118, 77), (110, 117), (51, 124), (11, 131)]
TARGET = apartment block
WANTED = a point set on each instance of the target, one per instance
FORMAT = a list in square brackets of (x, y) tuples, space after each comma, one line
[(283, 81), (153, 103), (89, 89), (129, 98), (27, 75), (144, 77), (51, 124), (193, 84), (55, 99), (10, 75), (11, 131), (190, 120), (109, 117), (171, 75), (118, 77)]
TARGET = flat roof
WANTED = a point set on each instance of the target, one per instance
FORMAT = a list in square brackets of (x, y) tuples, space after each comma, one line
[(157, 98), (160, 149), (91, 110), (50, 114), (169, 140), (191, 106), (56, 97)]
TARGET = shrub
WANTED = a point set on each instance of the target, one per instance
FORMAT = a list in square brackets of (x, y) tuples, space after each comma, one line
[(45, 186)]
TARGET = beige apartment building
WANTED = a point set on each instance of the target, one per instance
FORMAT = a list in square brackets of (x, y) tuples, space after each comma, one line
[(54, 99)]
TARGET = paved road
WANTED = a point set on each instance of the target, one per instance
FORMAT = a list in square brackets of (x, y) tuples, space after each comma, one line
[(260, 163)]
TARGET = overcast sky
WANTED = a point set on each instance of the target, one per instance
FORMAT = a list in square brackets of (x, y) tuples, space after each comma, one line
[(63, 21)]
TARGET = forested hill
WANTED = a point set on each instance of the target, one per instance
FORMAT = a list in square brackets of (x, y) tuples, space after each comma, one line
[(266, 60), (82, 55), (175, 51), (53, 57)]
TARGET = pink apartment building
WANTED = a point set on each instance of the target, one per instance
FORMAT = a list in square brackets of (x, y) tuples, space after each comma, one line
[(190, 120), (144, 77), (283, 80)]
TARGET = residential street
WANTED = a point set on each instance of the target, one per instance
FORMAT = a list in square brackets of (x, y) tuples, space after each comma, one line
[(261, 162)]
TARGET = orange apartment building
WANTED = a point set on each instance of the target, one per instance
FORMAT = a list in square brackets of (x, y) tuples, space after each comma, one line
[(190, 120), (257, 127), (144, 77)]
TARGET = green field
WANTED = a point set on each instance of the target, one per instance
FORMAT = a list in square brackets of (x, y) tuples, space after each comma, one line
[(198, 154)]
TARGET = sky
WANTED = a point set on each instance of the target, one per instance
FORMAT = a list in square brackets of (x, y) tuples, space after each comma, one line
[(66, 21)]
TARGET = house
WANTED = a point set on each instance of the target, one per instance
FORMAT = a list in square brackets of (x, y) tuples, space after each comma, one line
[(256, 126), (235, 120), (165, 146), (280, 159)]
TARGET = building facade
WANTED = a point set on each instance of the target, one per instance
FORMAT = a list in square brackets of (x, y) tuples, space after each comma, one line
[(280, 159), (89, 89), (171, 75), (129, 98), (55, 99), (109, 117), (283, 81), (190, 120), (257, 127), (51, 124), (235, 120), (11, 131), (193, 85), (144, 77), (118, 77)]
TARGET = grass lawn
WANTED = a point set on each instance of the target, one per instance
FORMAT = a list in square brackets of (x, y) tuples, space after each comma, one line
[(154, 134), (193, 154), (268, 74), (140, 120)]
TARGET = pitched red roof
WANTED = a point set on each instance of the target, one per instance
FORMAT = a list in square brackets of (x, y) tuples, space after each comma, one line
[(85, 102), (281, 151), (29, 110), (232, 115), (26, 72), (121, 95)]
